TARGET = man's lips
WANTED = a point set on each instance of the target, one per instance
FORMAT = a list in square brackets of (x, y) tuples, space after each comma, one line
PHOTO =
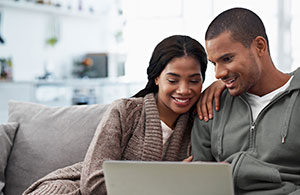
[(229, 82)]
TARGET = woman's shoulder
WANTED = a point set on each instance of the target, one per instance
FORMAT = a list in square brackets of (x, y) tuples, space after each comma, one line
[(127, 104), (133, 103)]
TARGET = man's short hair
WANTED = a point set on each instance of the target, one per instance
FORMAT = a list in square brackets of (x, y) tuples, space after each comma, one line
[(243, 24)]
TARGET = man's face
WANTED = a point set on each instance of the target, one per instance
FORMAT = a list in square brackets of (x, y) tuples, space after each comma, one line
[(234, 64)]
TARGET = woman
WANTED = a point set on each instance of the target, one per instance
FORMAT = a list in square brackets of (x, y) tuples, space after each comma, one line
[(153, 125)]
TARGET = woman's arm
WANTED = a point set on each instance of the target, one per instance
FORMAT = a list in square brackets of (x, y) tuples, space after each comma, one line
[(105, 145), (205, 104)]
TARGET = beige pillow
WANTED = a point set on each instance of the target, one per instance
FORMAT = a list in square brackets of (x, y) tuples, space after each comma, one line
[(48, 138), (7, 134)]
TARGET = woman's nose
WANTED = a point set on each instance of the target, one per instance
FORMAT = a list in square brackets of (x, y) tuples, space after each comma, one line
[(183, 88)]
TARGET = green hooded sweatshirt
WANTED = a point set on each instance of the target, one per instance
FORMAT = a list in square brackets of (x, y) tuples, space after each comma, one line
[(265, 153)]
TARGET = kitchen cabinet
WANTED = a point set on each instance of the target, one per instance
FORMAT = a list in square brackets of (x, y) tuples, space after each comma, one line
[(66, 92)]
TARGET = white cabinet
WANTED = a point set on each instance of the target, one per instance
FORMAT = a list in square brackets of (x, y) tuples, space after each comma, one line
[(64, 9), (23, 91), (66, 92)]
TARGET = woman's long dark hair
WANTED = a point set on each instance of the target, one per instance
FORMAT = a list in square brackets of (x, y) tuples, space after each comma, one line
[(169, 48)]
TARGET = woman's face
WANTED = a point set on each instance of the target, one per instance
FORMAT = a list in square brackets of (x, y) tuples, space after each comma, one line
[(179, 86)]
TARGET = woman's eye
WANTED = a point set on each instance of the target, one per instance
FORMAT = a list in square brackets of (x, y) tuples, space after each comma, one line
[(195, 81), (172, 81)]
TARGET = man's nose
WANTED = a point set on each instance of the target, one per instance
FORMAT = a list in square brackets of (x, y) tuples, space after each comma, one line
[(221, 71)]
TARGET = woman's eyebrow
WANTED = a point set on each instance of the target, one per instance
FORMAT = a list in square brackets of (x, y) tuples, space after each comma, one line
[(196, 74), (177, 75), (173, 74)]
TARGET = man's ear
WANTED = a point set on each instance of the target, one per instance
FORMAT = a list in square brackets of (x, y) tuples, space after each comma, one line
[(261, 45)]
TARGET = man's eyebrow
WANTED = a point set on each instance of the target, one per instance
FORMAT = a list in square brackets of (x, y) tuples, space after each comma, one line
[(211, 61)]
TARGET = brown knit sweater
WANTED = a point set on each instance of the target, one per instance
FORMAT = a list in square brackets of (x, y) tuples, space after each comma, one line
[(130, 130)]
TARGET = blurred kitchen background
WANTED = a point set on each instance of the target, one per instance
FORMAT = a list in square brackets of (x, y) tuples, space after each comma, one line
[(72, 52)]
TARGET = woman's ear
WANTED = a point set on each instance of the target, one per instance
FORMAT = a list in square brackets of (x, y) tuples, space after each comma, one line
[(261, 45), (156, 81)]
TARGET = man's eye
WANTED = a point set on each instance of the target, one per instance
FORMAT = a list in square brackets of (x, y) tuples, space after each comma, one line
[(227, 59)]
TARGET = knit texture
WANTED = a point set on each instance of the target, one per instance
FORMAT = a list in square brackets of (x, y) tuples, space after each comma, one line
[(129, 130), (62, 181)]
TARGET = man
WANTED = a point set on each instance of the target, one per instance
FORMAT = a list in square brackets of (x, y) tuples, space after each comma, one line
[(257, 128)]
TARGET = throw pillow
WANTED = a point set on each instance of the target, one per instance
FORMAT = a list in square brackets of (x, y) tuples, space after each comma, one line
[(7, 134), (48, 138)]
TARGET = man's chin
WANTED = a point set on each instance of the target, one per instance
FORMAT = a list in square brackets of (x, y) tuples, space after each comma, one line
[(234, 92)]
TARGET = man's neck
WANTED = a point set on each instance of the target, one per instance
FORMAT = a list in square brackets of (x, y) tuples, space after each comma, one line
[(270, 81)]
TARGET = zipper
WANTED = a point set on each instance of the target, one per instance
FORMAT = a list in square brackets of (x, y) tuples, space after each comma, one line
[(253, 123), (252, 126), (252, 132)]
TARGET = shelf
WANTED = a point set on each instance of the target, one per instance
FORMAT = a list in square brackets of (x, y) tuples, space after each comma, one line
[(43, 8)]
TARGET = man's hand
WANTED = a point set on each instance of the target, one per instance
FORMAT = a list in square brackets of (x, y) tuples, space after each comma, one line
[(205, 103)]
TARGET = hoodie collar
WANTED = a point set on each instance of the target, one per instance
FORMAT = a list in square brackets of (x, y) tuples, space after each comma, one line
[(295, 83)]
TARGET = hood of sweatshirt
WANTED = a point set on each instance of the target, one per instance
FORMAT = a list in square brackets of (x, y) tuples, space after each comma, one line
[(293, 89)]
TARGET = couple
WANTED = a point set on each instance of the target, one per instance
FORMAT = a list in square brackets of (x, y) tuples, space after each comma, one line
[(254, 129)]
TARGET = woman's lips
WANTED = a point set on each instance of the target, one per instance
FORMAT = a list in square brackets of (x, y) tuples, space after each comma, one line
[(182, 101)]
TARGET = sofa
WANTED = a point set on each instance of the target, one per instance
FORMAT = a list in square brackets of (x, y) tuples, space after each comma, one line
[(38, 139)]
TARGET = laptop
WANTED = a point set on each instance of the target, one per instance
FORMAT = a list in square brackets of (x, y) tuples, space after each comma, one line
[(167, 178)]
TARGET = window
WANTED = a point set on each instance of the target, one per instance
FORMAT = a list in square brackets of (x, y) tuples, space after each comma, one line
[(148, 22)]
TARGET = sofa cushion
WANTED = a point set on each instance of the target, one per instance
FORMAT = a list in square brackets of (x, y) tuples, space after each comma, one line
[(48, 138), (7, 134)]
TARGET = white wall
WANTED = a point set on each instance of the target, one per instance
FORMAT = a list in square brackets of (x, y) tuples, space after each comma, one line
[(148, 24), (295, 38), (25, 32)]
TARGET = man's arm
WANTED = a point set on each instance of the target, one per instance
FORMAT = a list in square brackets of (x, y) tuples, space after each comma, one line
[(201, 142)]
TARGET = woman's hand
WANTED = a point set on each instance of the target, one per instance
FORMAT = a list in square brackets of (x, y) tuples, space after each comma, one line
[(205, 103), (188, 159)]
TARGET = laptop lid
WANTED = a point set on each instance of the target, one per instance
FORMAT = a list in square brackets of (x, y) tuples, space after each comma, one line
[(167, 178)]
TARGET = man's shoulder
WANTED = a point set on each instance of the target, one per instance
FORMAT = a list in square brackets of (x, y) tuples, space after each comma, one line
[(226, 96), (295, 82), (229, 102)]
